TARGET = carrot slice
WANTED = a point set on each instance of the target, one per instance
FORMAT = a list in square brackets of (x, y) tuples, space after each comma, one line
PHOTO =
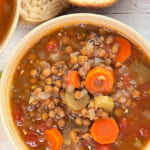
[(72, 77), (125, 49), (99, 80), (104, 131), (54, 139)]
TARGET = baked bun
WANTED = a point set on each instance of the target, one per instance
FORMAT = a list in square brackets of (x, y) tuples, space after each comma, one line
[(93, 3), (36, 11)]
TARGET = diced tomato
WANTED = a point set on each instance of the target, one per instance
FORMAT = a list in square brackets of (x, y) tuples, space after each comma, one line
[(126, 81), (51, 45), (18, 115), (44, 125), (32, 140), (103, 147), (123, 125), (144, 132)]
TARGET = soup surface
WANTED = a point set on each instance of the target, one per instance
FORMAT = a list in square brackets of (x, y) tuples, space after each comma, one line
[(6, 15), (82, 87)]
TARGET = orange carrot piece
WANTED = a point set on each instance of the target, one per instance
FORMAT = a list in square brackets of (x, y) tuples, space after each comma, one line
[(54, 139), (125, 49), (99, 80), (104, 131), (72, 77)]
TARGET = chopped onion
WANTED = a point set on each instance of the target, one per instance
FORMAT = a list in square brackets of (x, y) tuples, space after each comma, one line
[(123, 70), (98, 60), (75, 54), (92, 114), (138, 143), (40, 95)]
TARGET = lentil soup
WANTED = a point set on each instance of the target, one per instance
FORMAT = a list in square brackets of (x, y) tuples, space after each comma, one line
[(7, 8), (83, 87)]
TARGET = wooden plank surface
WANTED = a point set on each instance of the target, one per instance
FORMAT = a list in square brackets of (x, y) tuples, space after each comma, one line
[(135, 13)]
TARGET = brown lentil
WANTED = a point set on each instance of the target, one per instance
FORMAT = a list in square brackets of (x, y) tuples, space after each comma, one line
[(74, 136), (46, 72), (78, 95), (49, 81), (33, 72), (48, 88), (109, 40), (60, 73), (53, 70), (51, 105), (118, 64), (101, 53), (115, 48), (84, 112), (52, 114), (128, 102), (65, 40), (86, 122), (135, 93), (68, 49), (86, 136), (44, 116), (61, 123), (55, 89), (78, 121), (60, 112), (118, 112), (56, 100), (58, 83), (74, 59)]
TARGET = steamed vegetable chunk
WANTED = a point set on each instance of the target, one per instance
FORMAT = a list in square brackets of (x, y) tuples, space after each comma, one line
[(105, 102)]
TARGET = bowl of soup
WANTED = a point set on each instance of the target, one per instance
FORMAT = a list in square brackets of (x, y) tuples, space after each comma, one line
[(78, 82), (9, 13)]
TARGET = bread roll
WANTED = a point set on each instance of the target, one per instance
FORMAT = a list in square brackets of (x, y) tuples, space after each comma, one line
[(36, 11), (93, 3)]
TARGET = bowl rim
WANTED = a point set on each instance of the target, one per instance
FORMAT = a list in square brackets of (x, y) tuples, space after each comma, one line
[(12, 132), (12, 26)]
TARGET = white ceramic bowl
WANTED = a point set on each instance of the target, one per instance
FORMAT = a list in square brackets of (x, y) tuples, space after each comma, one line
[(35, 36), (12, 26)]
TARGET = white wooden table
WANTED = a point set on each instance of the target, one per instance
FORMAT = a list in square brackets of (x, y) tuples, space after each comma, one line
[(135, 13)]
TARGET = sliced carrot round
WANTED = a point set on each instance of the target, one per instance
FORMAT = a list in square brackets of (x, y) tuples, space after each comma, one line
[(99, 80), (54, 139), (104, 131), (72, 77), (125, 49)]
